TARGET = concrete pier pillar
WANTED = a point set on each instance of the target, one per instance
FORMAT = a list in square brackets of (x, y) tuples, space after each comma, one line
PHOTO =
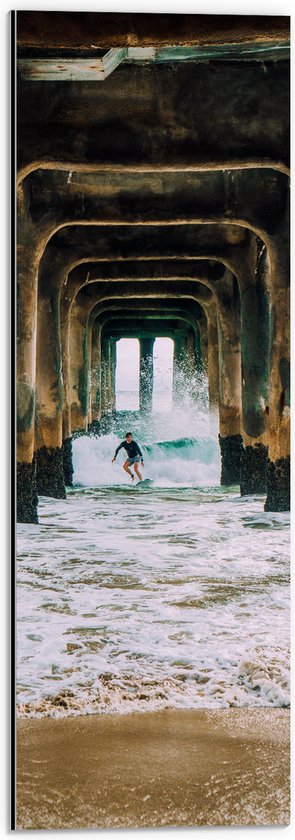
[(107, 386), (198, 349), (255, 386), (193, 361), (67, 457), (108, 375), (49, 437), (191, 350), (146, 347), (87, 367), (66, 374), (28, 255), (78, 368), (179, 357), (27, 496), (213, 359), (67, 298), (203, 337), (95, 375), (278, 465), (230, 437), (104, 375), (113, 365), (67, 448)]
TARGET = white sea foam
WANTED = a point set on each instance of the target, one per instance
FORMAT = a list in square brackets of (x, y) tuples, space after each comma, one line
[(268, 679), (169, 598), (176, 597)]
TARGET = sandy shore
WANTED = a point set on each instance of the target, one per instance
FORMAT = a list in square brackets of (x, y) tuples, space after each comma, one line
[(171, 768)]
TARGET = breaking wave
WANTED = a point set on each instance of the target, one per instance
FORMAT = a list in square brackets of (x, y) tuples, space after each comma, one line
[(182, 462)]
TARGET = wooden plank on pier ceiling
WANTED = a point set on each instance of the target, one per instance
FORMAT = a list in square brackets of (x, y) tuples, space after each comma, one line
[(71, 69), (247, 50), (99, 68)]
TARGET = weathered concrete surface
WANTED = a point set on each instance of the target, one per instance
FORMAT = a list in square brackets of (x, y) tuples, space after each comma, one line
[(278, 471), (78, 369), (49, 382), (255, 357), (255, 281), (218, 240), (29, 249), (108, 375), (161, 192), (67, 460), (105, 378), (257, 196), (37, 30), (194, 348), (253, 469), (49, 473), (26, 490), (95, 373), (119, 122), (49, 385), (230, 407), (146, 373), (212, 356), (278, 485), (152, 309), (231, 448)]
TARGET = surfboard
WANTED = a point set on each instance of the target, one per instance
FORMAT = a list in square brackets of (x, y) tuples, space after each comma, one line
[(146, 482)]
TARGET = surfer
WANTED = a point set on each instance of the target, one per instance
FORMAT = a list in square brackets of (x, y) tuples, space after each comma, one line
[(134, 455)]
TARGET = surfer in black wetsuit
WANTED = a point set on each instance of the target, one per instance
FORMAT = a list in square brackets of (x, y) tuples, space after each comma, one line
[(134, 455)]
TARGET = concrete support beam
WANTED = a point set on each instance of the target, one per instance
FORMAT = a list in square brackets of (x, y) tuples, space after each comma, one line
[(124, 105), (255, 382), (96, 374), (193, 350), (48, 431), (78, 369), (193, 222), (105, 375), (198, 350), (193, 361), (278, 466), (28, 255), (179, 358), (253, 195), (63, 31), (113, 350), (67, 456), (146, 374), (119, 325), (86, 305), (230, 406), (212, 358), (66, 373)]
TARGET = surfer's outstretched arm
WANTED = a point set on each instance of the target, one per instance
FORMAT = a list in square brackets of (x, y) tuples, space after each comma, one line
[(117, 450)]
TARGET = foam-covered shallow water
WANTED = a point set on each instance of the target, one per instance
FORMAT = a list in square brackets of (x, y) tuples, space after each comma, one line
[(172, 597)]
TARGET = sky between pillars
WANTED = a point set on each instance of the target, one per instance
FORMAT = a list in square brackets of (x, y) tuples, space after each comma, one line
[(127, 372)]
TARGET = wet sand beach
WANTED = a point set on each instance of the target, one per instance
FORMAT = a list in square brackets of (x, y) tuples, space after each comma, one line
[(165, 768)]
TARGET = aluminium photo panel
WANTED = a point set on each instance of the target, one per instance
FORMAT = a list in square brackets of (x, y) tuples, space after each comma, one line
[(153, 420)]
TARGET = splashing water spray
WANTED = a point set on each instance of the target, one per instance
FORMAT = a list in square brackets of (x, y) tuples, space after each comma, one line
[(179, 441)]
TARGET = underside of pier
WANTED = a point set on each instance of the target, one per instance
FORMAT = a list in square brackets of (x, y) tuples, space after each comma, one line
[(153, 200)]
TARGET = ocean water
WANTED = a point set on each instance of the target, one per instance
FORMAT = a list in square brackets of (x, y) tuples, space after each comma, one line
[(174, 596)]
